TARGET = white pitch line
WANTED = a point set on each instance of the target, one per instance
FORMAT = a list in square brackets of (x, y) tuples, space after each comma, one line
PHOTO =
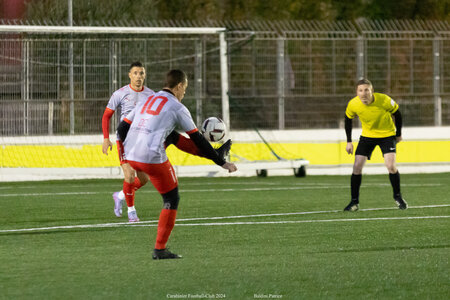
[(116, 185), (152, 222), (298, 221), (216, 190), (302, 213)]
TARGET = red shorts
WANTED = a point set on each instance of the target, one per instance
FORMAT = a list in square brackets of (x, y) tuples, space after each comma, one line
[(121, 152), (162, 175)]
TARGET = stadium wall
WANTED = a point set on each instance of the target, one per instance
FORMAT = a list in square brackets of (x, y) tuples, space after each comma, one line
[(424, 149)]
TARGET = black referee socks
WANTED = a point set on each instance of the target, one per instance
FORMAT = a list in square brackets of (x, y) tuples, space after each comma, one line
[(395, 182), (355, 185)]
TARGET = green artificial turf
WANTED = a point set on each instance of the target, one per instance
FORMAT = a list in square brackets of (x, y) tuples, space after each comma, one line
[(241, 238)]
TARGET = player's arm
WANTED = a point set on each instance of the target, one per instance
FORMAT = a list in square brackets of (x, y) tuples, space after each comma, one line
[(182, 143), (187, 145), (105, 129), (123, 128), (209, 152), (398, 125), (348, 133), (124, 125)]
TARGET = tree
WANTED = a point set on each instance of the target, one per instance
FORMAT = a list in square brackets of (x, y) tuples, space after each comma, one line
[(189, 10)]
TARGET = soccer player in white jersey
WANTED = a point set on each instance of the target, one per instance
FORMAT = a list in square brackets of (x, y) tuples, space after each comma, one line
[(151, 122), (126, 99)]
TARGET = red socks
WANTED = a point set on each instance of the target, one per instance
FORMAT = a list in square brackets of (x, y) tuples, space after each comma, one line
[(165, 226), (128, 190), (137, 184)]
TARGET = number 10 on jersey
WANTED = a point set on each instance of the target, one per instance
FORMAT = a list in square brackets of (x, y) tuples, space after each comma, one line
[(147, 108)]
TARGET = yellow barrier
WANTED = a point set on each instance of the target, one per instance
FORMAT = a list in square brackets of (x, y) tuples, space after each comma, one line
[(40, 156)]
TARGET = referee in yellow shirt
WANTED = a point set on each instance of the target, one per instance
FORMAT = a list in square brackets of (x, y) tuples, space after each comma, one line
[(375, 112)]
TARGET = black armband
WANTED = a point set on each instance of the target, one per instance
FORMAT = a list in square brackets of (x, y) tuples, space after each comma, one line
[(122, 130), (206, 148), (348, 129), (398, 122)]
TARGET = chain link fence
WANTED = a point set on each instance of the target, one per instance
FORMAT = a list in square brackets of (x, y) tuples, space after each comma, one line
[(282, 75)]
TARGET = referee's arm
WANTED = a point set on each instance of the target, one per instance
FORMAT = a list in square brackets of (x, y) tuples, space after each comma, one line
[(398, 125), (348, 133)]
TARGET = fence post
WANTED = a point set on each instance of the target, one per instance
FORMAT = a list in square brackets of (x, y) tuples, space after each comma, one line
[(280, 82), (388, 67), (360, 58), (58, 71), (71, 89), (71, 83), (84, 70), (26, 84), (50, 117), (224, 79), (198, 78), (437, 82), (113, 74)]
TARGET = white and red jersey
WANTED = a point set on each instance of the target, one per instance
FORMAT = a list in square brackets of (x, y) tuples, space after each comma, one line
[(126, 99), (151, 122)]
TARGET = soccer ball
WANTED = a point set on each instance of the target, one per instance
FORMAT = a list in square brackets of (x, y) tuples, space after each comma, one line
[(213, 129)]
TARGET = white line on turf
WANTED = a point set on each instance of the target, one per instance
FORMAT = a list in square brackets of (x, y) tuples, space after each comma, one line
[(256, 189), (116, 186), (153, 222), (298, 221)]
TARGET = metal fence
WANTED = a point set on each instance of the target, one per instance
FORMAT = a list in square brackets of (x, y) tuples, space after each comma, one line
[(282, 75)]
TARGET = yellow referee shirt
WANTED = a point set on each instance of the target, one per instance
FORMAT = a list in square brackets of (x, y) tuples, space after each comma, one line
[(376, 117)]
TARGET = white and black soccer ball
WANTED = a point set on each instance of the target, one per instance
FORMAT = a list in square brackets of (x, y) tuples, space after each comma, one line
[(213, 129)]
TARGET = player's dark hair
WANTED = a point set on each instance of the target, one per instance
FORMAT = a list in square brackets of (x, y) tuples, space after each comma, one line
[(364, 81), (135, 64), (174, 77)]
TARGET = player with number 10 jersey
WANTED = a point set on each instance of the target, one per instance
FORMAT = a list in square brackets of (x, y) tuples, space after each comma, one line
[(151, 123)]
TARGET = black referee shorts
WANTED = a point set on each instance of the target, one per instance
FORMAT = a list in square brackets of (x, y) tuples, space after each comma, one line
[(366, 145)]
